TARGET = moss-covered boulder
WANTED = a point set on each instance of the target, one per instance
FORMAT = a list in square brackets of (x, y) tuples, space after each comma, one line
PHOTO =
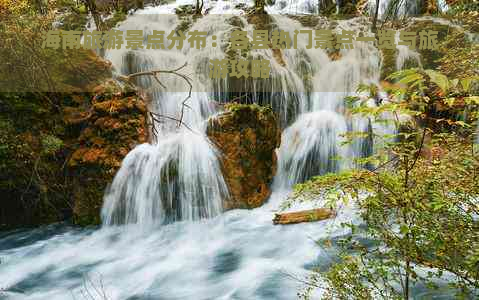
[(247, 136), (111, 127)]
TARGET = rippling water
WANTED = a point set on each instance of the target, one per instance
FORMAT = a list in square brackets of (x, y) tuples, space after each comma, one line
[(237, 255)]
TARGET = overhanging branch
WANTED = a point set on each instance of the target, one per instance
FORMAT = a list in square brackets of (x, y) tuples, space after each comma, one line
[(155, 117)]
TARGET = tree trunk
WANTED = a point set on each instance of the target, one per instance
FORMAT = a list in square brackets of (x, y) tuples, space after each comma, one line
[(325, 6), (91, 5), (41, 6), (199, 7), (375, 16), (139, 4), (259, 5), (311, 215)]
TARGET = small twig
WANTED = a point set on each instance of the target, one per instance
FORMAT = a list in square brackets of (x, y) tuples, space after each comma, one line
[(154, 73), (418, 153), (157, 118), (294, 277)]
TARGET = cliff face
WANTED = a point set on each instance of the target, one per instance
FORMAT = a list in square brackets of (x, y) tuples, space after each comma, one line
[(57, 158), (112, 126), (247, 136), (36, 143)]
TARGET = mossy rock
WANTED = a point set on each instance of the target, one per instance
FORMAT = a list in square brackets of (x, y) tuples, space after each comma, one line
[(247, 136), (116, 123), (309, 21)]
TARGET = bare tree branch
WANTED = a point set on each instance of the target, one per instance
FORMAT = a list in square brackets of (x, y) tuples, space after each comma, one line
[(155, 117), (300, 280)]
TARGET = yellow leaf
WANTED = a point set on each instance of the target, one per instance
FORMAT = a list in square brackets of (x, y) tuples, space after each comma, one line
[(450, 101), (472, 100)]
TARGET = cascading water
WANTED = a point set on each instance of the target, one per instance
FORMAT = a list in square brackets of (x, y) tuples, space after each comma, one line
[(313, 144), (406, 58), (295, 7), (177, 177), (395, 7)]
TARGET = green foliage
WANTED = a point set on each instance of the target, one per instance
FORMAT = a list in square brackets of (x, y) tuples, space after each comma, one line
[(51, 144), (460, 57), (415, 80), (463, 6), (30, 68), (9, 147), (439, 102), (429, 58), (421, 212), (118, 16), (419, 203)]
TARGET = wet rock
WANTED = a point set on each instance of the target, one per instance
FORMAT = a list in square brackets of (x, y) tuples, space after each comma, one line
[(247, 136), (115, 123)]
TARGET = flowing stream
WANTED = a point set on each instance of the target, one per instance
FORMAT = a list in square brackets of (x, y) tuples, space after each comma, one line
[(165, 235)]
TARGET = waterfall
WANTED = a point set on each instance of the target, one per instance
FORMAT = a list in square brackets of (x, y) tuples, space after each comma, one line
[(312, 145), (442, 5), (406, 58), (403, 7), (239, 254), (178, 176), (395, 7), (295, 7)]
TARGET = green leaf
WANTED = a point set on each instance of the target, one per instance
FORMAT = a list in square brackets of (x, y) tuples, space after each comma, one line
[(450, 101), (413, 78), (472, 100), (404, 229), (462, 124), (454, 82), (439, 79), (466, 84)]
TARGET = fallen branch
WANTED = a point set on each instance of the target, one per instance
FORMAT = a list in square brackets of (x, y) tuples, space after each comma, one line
[(311, 215)]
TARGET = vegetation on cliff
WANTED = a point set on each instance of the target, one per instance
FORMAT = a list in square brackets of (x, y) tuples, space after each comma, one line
[(418, 198), (46, 101), (56, 164)]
